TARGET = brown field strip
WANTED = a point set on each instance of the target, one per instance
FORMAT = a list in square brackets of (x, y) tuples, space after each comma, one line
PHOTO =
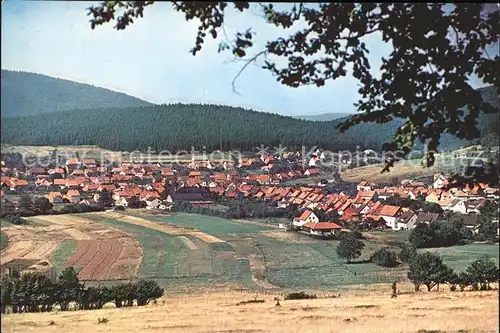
[(42, 250), (16, 250), (107, 259), (206, 237), (103, 253), (127, 264)]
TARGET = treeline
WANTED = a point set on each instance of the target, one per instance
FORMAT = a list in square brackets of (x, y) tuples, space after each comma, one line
[(42, 206), (238, 210), (181, 126), (428, 269), (35, 292)]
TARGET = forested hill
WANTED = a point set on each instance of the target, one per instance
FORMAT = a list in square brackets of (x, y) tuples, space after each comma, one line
[(26, 93), (181, 126)]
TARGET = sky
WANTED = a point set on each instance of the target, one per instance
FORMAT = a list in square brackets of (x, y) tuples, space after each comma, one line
[(151, 59)]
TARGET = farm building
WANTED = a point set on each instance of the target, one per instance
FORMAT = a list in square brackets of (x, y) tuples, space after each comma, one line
[(322, 228)]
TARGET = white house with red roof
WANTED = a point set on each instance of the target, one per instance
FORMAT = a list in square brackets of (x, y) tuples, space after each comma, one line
[(390, 214), (307, 216)]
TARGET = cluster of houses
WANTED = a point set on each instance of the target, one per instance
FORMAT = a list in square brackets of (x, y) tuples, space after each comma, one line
[(82, 181), (366, 207)]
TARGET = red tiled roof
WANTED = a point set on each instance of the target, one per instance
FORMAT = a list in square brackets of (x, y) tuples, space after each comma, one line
[(388, 210), (305, 215), (322, 226), (18, 182), (72, 193), (72, 161)]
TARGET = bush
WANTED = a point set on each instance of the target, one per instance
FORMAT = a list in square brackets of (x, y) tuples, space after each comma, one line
[(16, 219), (385, 258), (300, 295), (251, 301), (479, 237)]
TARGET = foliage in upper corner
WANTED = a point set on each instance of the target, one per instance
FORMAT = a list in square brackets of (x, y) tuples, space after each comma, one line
[(436, 48)]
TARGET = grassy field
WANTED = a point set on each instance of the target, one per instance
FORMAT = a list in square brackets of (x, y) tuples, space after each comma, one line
[(209, 224), (459, 257), (252, 255), (63, 252), (360, 312), (314, 264), (168, 258), (288, 260), (3, 241)]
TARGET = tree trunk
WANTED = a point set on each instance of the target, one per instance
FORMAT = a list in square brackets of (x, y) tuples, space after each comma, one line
[(429, 286), (438, 287), (417, 287)]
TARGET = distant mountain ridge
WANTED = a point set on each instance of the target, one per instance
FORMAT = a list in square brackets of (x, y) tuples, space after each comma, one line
[(323, 116), (24, 93)]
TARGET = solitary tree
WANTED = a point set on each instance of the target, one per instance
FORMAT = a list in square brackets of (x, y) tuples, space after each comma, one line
[(350, 247), (425, 79)]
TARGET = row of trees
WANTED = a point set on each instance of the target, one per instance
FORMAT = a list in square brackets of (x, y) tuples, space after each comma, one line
[(42, 206), (428, 269), (35, 292)]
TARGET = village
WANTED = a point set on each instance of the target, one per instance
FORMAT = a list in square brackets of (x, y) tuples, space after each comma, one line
[(275, 181)]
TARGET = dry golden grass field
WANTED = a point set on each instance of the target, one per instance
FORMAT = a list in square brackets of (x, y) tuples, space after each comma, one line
[(362, 311), (372, 172)]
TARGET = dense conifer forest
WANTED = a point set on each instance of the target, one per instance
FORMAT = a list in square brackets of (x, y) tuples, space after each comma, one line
[(40, 110)]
